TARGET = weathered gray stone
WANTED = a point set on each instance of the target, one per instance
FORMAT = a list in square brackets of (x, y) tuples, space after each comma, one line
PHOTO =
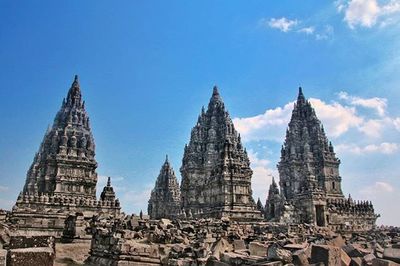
[(165, 199), (310, 180), (383, 262), (62, 178), (31, 257), (275, 252), (392, 254), (216, 174), (329, 255), (258, 249)]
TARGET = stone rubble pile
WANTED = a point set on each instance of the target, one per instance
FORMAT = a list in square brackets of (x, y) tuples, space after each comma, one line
[(20, 250), (223, 242)]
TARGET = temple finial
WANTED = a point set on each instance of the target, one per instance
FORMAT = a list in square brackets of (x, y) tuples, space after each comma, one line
[(300, 97), (166, 158), (108, 181), (215, 90)]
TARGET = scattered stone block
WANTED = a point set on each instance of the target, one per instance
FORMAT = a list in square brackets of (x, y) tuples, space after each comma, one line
[(329, 255), (31, 257), (239, 245), (392, 254), (344, 258), (275, 252), (258, 249), (383, 262)]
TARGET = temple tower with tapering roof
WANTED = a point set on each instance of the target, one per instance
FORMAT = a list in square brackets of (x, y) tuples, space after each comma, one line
[(62, 178), (65, 163), (310, 183), (165, 197), (216, 174)]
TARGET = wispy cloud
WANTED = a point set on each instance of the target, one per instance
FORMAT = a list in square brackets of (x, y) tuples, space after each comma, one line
[(383, 148), (3, 188), (283, 24), (307, 30), (323, 32), (376, 103)]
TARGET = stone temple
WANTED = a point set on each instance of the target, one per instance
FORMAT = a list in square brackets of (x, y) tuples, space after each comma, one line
[(165, 199), (216, 174), (62, 178), (310, 183)]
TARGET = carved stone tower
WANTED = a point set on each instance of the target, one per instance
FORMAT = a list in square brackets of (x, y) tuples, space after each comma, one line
[(308, 161), (216, 174), (165, 197), (310, 182), (62, 178), (65, 164)]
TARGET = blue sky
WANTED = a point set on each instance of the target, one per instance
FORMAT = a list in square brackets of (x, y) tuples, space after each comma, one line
[(146, 68)]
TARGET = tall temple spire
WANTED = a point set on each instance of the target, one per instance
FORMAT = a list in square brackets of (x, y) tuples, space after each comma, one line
[(300, 98), (164, 201), (62, 177), (69, 143), (307, 144), (211, 164)]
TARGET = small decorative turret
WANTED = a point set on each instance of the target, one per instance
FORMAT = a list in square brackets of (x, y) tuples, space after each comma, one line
[(108, 193)]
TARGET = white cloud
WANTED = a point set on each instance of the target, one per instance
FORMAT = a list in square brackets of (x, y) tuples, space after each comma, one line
[(307, 30), (270, 125), (3, 188), (282, 24), (378, 104), (262, 175), (336, 118), (383, 148), (373, 128), (396, 123), (367, 13)]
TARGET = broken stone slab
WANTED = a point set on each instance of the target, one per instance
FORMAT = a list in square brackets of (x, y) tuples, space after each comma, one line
[(258, 249), (392, 254), (31, 257), (220, 247), (275, 252), (294, 247), (356, 261), (239, 244), (368, 259), (329, 255), (344, 258), (300, 257), (353, 251), (383, 262)]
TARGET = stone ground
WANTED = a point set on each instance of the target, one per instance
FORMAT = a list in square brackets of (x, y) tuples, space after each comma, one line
[(72, 254)]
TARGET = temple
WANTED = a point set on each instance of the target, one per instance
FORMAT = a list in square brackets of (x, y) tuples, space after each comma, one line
[(62, 178), (165, 197), (310, 183), (216, 174)]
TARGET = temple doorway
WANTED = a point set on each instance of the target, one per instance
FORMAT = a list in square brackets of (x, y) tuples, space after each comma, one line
[(320, 215)]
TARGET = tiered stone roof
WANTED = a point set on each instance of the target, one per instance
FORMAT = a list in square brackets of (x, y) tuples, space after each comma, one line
[(165, 199), (216, 174)]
